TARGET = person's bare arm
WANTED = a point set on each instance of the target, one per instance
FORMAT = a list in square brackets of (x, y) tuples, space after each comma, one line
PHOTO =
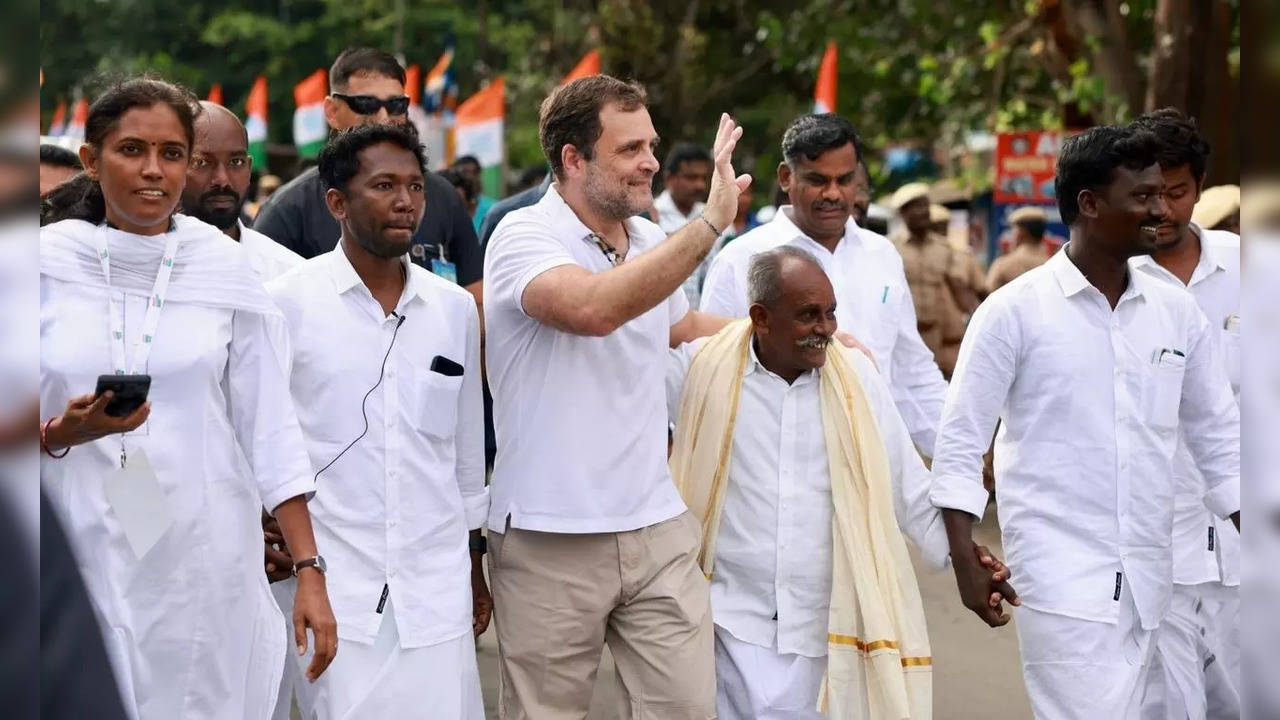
[(311, 601), (696, 324), (575, 300)]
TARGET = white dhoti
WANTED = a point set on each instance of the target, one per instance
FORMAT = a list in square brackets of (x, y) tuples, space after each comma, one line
[(1176, 685), (385, 681), (1085, 670), (759, 683), (1189, 676), (1220, 610), (293, 681)]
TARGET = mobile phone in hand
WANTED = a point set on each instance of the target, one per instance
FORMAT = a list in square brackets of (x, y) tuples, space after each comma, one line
[(129, 392)]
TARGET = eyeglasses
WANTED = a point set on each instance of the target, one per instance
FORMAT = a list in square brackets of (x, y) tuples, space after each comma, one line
[(369, 105)]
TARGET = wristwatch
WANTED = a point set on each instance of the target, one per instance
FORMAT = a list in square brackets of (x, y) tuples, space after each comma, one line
[(316, 562), (478, 544)]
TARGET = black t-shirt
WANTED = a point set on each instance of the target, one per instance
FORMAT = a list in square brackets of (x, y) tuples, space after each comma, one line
[(296, 217)]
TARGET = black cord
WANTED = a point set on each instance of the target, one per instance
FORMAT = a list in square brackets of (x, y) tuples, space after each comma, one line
[(363, 412)]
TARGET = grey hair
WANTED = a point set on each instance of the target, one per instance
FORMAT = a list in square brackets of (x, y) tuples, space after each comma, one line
[(764, 274)]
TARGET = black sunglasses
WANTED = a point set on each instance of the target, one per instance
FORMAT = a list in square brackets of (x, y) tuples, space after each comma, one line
[(369, 105)]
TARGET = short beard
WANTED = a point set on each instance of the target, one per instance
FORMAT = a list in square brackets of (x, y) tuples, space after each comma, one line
[(221, 219), (375, 244), (610, 202)]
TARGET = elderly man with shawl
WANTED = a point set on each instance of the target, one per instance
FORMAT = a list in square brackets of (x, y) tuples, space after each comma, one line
[(789, 450)]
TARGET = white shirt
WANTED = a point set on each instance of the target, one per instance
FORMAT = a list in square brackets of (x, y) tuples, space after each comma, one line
[(873, 303), (1205, 548), (772, 580), (580, 421), (670, 219), (1091, 400), (190, 628), (396, 508), (268, 258)]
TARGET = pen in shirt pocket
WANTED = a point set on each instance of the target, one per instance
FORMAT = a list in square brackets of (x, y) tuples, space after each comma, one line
[(884, 297)]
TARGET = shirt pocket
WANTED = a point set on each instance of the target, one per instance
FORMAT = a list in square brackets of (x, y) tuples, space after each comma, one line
[(435, 399), (1164, 391)]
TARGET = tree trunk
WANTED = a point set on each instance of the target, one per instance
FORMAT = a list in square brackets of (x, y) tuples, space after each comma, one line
[(1170, 78)]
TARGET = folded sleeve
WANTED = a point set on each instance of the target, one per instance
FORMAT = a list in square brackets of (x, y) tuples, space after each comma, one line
[(262, 413), (469, 438), (979, 386), (917, 517), (1210, 417)]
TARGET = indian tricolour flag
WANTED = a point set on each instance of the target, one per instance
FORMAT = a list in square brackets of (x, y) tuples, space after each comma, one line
[(478, 132), (589, 65), (310, 129), (255, 123), (440, 103), (79, 115), (417, 115), (824, 95), (58, 126), (215, 94)]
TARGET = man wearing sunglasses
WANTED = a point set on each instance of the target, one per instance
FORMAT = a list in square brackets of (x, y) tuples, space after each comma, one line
[(367, 86)]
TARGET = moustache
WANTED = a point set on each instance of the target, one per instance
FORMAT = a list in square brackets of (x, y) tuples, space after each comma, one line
[(210, 195), (813, 342)]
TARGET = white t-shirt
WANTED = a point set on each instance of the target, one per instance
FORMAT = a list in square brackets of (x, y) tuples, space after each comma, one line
[(581, 422)]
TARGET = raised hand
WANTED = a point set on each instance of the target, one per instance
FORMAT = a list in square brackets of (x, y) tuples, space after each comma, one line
[(726, 185)]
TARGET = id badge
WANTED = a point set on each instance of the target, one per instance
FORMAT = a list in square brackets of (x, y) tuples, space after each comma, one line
[(138, 501), (445, 269)]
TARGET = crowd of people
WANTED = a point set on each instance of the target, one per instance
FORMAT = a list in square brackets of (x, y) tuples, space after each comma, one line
[(696, 436)]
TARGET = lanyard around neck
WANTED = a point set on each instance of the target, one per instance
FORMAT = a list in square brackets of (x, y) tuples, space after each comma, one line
[(155, 301)]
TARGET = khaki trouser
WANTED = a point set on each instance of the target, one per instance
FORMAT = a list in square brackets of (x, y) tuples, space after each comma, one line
[(558, 598)]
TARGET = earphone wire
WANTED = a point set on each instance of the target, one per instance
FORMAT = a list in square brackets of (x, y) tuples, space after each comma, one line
[(363, 410)]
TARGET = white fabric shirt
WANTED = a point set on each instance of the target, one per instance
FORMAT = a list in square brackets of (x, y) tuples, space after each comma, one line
[(1205, 548), (772, 584), (873, 303), (580, 421), (396, 508), (268, 258), (191, 628), (1091, 400), (670, 219)]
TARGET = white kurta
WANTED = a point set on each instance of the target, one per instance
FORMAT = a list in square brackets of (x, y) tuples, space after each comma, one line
[(190, 627)]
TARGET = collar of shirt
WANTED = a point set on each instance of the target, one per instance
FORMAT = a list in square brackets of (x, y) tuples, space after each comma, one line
[(561, 215), (345, 277), (755, 366), (666, 206), (782, 225), (1072, 281), (1211, 261)]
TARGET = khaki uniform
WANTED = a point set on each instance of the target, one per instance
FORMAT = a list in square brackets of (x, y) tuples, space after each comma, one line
[(1012, 264), (957, 319), (927, 265)]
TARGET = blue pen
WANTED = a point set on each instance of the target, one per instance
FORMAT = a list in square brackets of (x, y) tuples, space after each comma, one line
[(885, 297)]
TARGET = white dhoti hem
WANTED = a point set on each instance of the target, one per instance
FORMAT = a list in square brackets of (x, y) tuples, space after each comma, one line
[(759, 683), (385, 681), (1176, 684), (293, 682), (1220, 610), (1084, 670)]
